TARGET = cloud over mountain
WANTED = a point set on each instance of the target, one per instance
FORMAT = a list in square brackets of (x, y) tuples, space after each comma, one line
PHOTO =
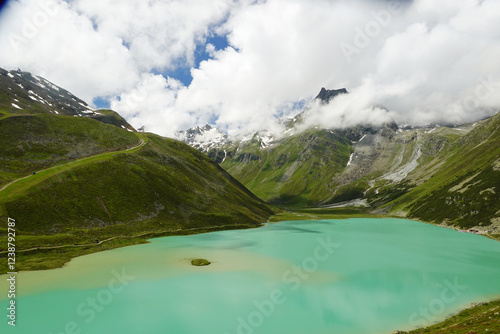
[(426, 61)]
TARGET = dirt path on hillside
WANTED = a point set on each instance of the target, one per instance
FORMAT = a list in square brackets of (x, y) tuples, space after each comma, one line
[(141, 143)]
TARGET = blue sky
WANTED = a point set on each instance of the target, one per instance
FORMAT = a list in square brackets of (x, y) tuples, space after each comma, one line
[(182, 71)]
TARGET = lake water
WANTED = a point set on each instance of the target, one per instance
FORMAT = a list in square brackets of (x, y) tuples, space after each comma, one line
[(302, 277)]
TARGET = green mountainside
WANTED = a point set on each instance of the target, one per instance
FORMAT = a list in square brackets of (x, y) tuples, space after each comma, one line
[(295, 170), (84, 182), (441, 174), (164, 185), (32, 142), (460, 184), (312, 167), (51, 126)]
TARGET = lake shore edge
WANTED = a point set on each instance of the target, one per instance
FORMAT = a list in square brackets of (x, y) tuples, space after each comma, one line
[(142, 238)]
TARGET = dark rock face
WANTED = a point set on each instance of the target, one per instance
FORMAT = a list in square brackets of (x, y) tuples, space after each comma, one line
[(326, 95)]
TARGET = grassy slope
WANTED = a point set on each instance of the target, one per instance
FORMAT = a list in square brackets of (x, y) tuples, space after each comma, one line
[(162, 188), (111, 117), (33, 142), (20, 186), (464, 188), (483, 318), (290, 172), (323, 213)]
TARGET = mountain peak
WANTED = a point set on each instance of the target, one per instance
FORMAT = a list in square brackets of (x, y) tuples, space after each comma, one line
[(326, 95)]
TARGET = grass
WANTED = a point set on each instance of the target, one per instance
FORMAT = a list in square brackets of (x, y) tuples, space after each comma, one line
[(468, 207), (49, 140), (482, 318), (99, 193), (21, 186), (321, 213)]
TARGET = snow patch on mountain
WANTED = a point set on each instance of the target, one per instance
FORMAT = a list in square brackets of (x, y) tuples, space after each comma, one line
[(40, 90), (265, 138), (350, 159), (203, 138)]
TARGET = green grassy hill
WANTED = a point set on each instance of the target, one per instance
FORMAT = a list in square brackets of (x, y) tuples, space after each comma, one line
[(29, 143), (164, 187), (293, 172), (166, 184)]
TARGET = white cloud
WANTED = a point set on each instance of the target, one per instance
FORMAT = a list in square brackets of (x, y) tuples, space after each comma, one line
[(422, 63), (426, 61), (152, 104), (60, 44), (102, 48), (159, 33), (345, 111)]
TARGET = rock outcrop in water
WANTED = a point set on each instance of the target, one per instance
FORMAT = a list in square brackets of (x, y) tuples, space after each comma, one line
[(200, 262)]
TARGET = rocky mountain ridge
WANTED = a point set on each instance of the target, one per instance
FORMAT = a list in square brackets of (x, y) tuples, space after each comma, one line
[(24, 93)]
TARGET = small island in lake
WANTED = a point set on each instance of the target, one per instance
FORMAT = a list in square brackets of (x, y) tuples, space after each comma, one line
[(200, 262)]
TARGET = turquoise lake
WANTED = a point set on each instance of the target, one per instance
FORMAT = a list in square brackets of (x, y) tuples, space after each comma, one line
[(298, 277)]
